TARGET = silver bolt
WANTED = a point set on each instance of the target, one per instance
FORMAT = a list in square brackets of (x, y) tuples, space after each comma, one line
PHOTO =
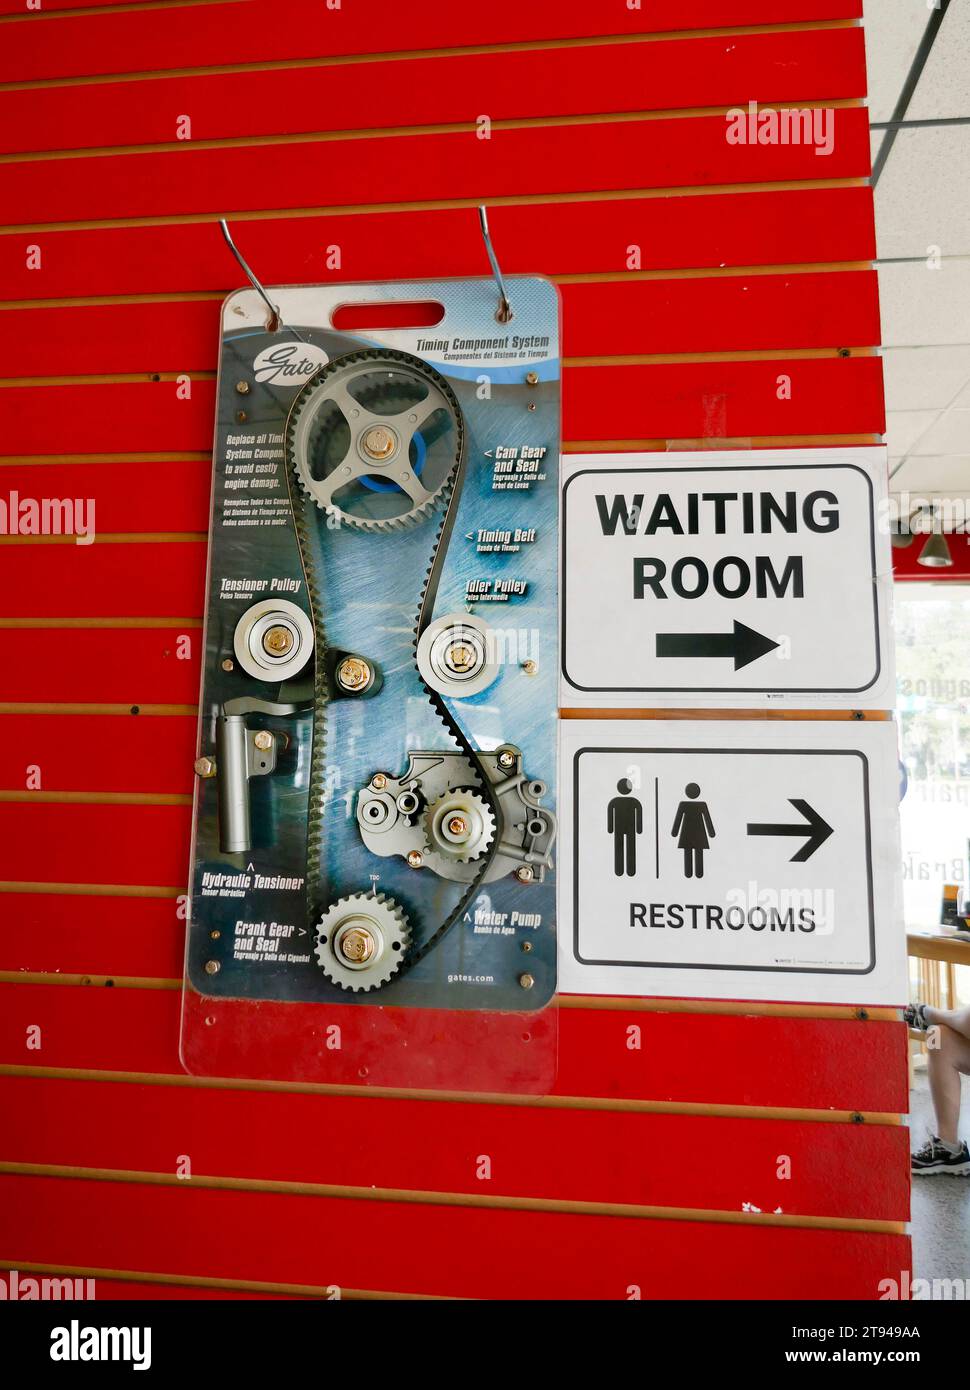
[(379, 442), (525, 874), (530, 667), (212, 967), (460, 657), (353, 674), (228, 664), (243, 388), (415, 859), (263, 740), (357, 945), (506, 759), (277, 640), (532, 378), (526, 981), (205, 767), (379, 781)]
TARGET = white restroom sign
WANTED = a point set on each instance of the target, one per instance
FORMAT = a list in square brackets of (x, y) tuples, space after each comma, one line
[(731, 860), (736, 578)]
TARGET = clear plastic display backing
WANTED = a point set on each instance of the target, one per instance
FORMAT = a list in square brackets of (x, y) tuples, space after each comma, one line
[(373, 862)]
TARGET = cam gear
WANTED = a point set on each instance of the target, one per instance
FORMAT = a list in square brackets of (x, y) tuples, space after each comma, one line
[(371, 467), (459, 826), (361, 941)]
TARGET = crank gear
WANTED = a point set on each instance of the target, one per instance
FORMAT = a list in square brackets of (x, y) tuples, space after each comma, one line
[(375, 438), (459, 826), (361, 941)]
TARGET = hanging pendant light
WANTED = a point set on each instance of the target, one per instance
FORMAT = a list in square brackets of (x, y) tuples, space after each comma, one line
[(936, 552)]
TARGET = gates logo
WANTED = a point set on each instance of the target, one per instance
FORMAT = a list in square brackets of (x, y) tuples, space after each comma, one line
[(288, 364)]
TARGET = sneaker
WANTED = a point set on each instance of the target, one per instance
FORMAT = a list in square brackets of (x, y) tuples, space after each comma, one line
[(914, 1016), (933, 1157)]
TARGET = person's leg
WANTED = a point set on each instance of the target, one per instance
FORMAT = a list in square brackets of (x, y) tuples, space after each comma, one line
[(698, 863), (688, 863), (619, 842), (956, 1019), (631, 854), (946, 1062)]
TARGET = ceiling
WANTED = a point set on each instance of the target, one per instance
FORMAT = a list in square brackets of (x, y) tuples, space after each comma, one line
[(919, 98)]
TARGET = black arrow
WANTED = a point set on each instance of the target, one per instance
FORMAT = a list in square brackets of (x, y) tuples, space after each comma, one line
[(813, 826), (744, 644)]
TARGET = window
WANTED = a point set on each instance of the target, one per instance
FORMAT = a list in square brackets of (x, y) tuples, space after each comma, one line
[(933, 682)]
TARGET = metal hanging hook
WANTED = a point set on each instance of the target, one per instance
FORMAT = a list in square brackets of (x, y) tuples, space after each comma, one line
[(275, 317), (504, 311)]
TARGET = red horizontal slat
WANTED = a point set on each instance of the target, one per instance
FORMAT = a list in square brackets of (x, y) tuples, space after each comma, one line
[(662, 153), (127, 666), (760, 1061), (94, 843), (774, 228), (68, 581), (678, 401), (340, 1140), (711, 315), (669, 75), (724, 399), (148, 496), (81, 935), (223, 34), (110, 419), (635, 316), (97, 753), (429, 1249)]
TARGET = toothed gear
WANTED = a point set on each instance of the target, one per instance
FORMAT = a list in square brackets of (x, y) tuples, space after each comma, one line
[(459, 826), (375, 439), (354, 926)]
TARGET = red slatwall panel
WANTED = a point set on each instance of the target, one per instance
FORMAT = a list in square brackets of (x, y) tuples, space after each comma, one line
[(759, 251), (436, 1249), (670, 152), (224, 34), (532, 1152), (677, 73), (705, 314), (762, 1060), (131, 666), (774, 227)]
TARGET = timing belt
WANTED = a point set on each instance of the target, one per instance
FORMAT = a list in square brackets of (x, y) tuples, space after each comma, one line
[(302, 506)]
